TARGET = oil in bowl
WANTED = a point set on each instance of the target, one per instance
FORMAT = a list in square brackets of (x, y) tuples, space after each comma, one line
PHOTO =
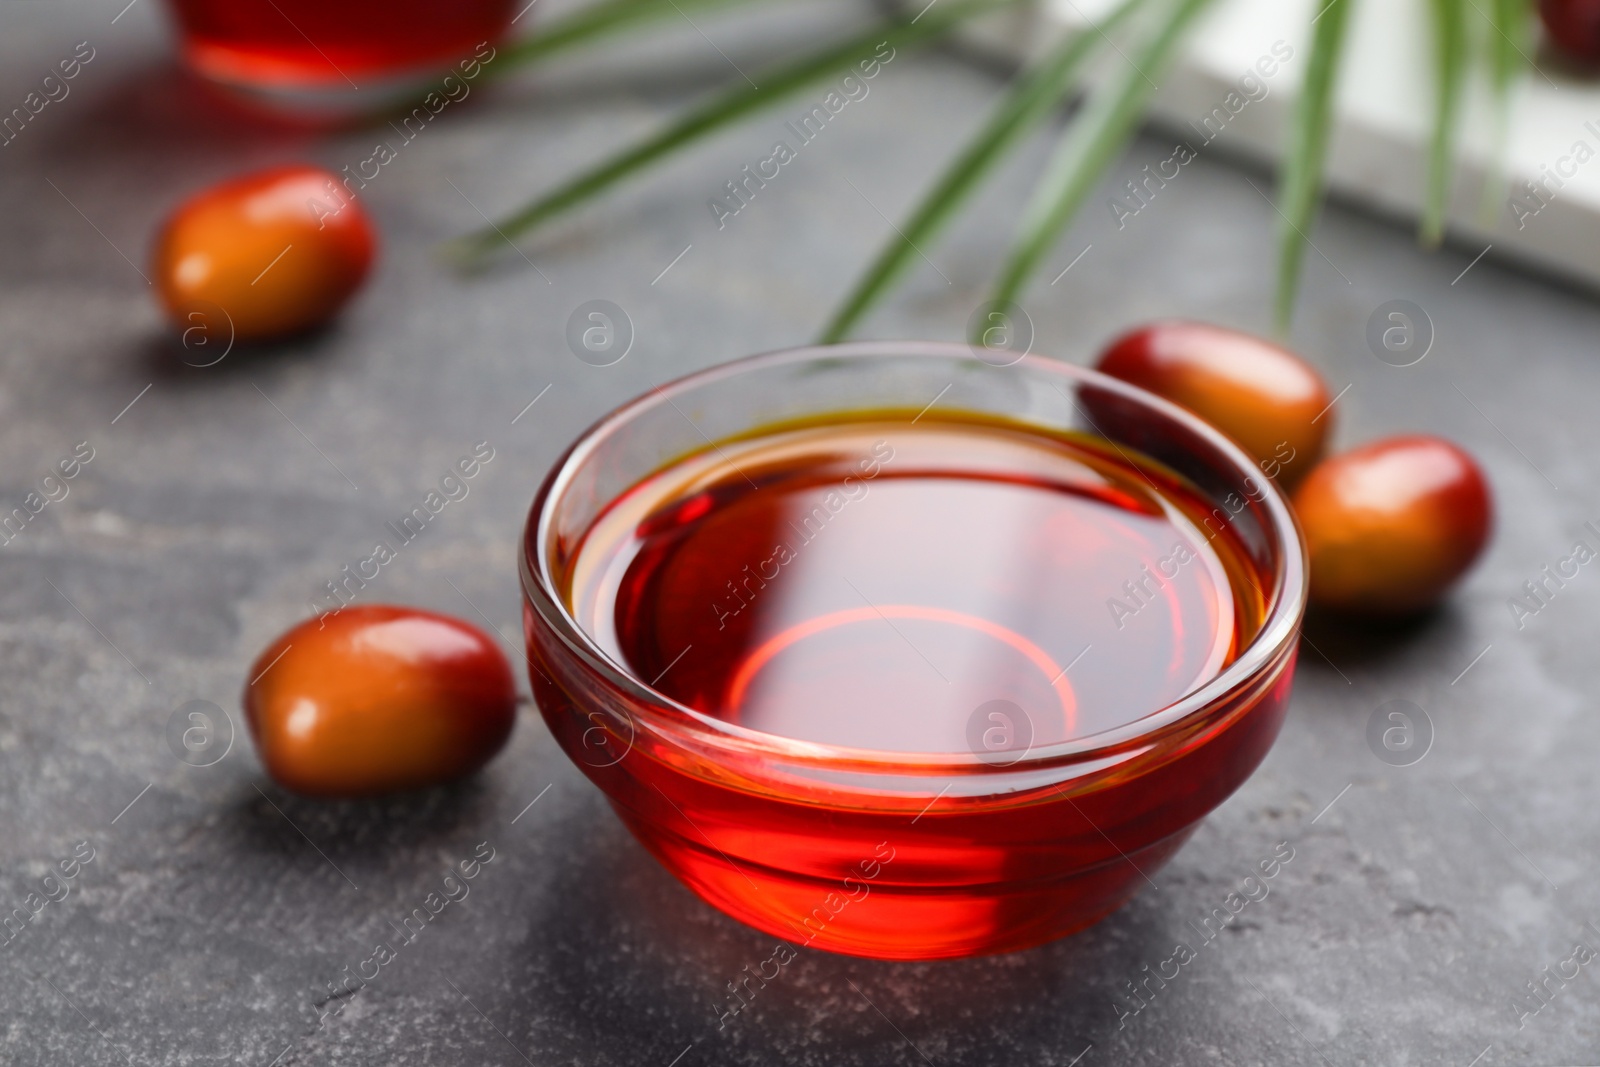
[(872, 583)]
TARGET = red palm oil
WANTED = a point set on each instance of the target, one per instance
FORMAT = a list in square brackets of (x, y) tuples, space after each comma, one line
[(905, 687), (871, 585), (294, 44)]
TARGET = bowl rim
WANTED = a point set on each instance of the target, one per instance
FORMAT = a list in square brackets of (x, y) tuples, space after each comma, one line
[(1286, 601)]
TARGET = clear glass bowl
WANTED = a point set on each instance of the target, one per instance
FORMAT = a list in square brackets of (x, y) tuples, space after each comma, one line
[(887, 854), (345, 57)]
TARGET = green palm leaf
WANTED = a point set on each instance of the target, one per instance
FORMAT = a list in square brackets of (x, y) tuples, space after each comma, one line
[(1449, 69), (589, 23), (770, 86), (1300, 182), (1507, 40), (1508, 43), (1093, 140), (1032, 97)]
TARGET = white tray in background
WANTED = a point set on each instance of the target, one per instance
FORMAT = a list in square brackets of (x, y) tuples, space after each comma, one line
[(1384, 117)]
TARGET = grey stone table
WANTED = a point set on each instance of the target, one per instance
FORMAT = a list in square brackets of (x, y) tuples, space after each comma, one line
[(216, 910)]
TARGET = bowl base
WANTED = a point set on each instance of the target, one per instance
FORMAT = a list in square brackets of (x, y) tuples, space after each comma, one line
[(882, 920)]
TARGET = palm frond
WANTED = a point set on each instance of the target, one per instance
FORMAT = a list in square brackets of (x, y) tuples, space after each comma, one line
[(593, 22), (1449, 71), (1091, 142), (1510, 21), (1031, 97), (1300, 181), (1508, 41), (769, 86)]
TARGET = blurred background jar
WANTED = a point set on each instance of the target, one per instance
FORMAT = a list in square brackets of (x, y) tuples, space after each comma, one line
[(342, 55)]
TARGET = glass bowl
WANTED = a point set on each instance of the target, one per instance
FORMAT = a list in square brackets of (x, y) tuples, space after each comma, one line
[(348, 57), (888, 854)]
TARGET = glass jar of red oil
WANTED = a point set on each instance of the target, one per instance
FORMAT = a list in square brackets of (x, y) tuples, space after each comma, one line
[(316, 53), (889, 651)]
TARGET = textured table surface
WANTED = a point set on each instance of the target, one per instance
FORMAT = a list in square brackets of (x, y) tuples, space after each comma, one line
[(216, 910)]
